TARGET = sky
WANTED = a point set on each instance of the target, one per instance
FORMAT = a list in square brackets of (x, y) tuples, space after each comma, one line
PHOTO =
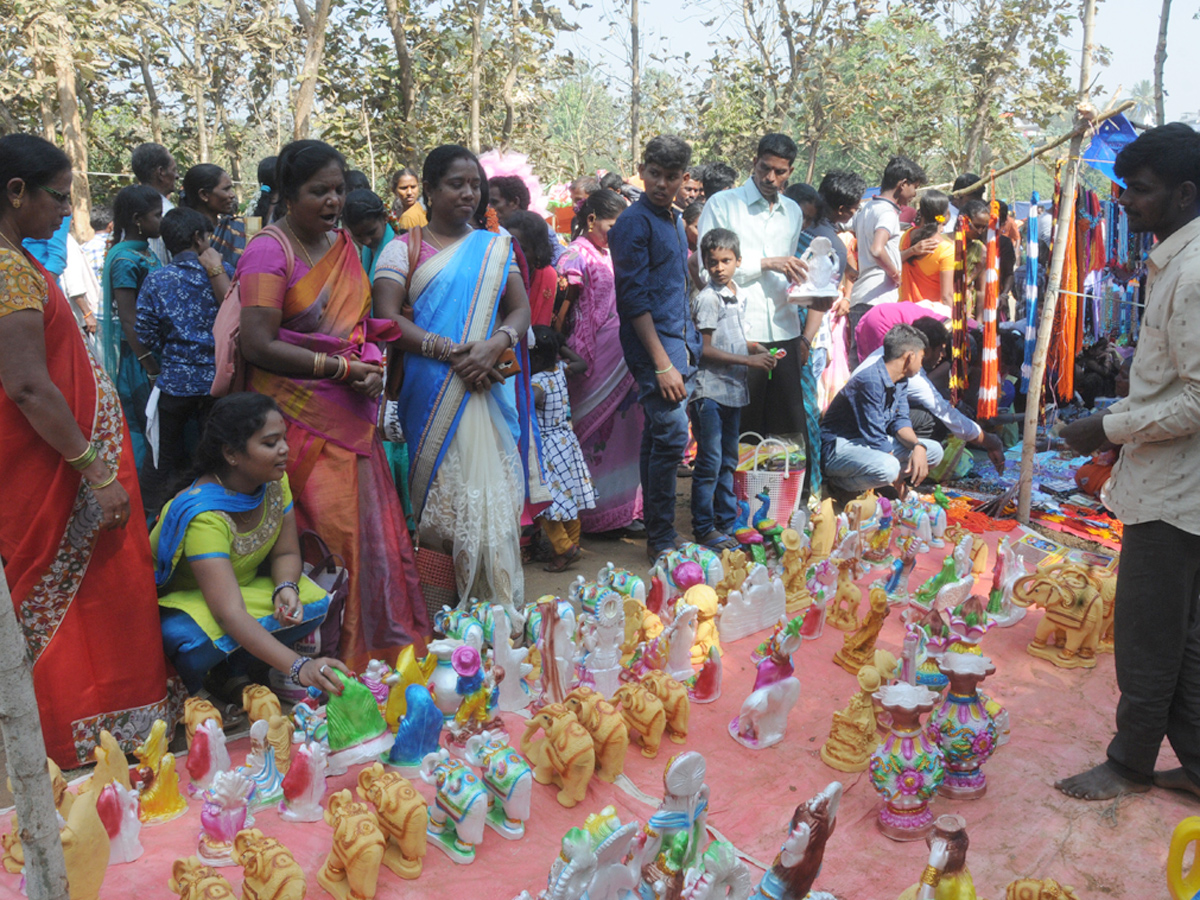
[(1127, 28)]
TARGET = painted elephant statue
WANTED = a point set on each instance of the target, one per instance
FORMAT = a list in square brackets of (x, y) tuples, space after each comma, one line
[(192, 880), (603, 721), (460, 624), (508, 779), (460, 808), (623, 582), (403, 817), (708, 561), (564, 755), (351, 870), (644, 716), (676, 705), (270, 870), (1073, 599)]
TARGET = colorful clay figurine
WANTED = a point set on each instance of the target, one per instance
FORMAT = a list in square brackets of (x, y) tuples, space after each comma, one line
[(197, 711), (192, 880), (564, 755), (675, 834), (1073, 598), (556, 645), (681, 637), (735, 568), (460, 625), (118, 809), (641, 626), (794, 562), (937, 525), (111, 765), (798, 862), (419, 732), (308, 717), (222, 816), (1009, 568), (763, 717), (747, 535), (933, 636), (357, 730), (705, 685), (821, 582), (403, 817), (877, 540), (852, 737), (675, 701), (823, 525), (767, 526), (280, 731), (206, 757), (624, 582), (707, 605), (908, 768), (351, 870), (644, 716), (304, 784), (962, 726), (508, 779), (600, 861), (460, 809), (761, 601), (858, 647), (409, 669), (508, 662), (946, 876), (475, 689), (159, 799), (842, 612), (443, 679), (260, 769), (968, 622), (955, 567), (610, 736), (601, 631), (678, 569), (260, 703), (269, 870)]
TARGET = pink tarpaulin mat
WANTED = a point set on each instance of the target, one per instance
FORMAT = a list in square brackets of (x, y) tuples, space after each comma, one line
[(1061, 723)]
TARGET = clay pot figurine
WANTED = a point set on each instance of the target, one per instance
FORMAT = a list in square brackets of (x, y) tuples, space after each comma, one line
[(403, 817), (351, 870), (962, 727), (610, 736), (564, 755), (909, 768)]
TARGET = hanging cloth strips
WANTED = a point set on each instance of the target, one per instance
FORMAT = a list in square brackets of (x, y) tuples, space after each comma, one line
[(958, 319), (1063, 340), (1031, 290), (989, 385)]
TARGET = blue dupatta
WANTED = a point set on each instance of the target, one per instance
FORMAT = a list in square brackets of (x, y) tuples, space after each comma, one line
[(197, 499), (457, 294), (370, 257)]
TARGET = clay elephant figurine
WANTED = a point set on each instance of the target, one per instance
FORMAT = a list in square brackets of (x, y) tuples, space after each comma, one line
[(676, 705), (1039, 889), (403, 817), (508, 779), (644, 716), (351, 869), (192, 880), (565, 756), (1072, 597), (1108, 593), (271, 872), (260, 703), (197, 711), (610, 736), (460, 809)]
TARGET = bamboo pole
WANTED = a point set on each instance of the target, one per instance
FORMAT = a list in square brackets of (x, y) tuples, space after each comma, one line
[(25, 753), (1066, 219)]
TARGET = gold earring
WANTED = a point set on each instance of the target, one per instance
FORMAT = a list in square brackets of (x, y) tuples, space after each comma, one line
[(19, 199)]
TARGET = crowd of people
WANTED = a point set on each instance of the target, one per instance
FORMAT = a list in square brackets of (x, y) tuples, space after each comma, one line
[(433, 369)]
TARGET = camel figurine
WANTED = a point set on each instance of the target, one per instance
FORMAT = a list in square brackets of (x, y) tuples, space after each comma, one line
[(564, 755)]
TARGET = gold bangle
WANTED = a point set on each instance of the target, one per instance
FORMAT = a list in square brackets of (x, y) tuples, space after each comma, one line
[(319, 365), (105, 483), (343, 372), (215, 271), (931, 876), (84, 459)]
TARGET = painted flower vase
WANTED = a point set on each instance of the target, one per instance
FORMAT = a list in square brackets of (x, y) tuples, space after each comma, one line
[(908, 768), (962, 726)]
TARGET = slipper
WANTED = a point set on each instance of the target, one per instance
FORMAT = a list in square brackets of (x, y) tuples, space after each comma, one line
[(562, 562), (718, 541)]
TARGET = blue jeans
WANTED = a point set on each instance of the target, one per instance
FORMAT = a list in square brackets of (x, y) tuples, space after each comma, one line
[(664, 439), (856, 468), (193, 654), (714, 506)]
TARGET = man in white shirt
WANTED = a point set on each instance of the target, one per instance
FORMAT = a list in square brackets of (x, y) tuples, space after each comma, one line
[(768, 227), (154, 165), (931, 414), (1155, 485), (877, 227)]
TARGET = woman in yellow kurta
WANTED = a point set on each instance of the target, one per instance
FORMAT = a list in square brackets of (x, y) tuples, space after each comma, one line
[(209, 545)]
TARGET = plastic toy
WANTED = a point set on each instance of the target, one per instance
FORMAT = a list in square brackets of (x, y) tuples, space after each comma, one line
[(644, 716), (564, 755), (508, 779), (962, 726), (351, 870), (403, 817), (908, 768), (610, 736), (763, 717), (304, 784), (852, 737), (222, 816), (457, 818)]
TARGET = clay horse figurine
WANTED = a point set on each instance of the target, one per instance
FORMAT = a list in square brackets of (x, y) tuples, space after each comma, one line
[(763, 717), (796, 867)]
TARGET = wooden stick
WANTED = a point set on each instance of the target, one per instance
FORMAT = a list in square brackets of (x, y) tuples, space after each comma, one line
[(25, 752), (1080, 129), (1066, 219)]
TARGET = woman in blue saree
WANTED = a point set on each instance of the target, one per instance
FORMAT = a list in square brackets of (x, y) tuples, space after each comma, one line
[(466, 423)]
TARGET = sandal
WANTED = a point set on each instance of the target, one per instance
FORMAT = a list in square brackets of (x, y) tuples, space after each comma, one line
[(717, 541), (563, 561)]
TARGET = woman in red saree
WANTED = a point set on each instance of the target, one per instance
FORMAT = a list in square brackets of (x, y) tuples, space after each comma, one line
[(72, 533), (306, 332)]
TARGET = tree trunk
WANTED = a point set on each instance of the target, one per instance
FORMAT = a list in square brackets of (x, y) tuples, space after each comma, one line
[(1066, 219), (635, 88), (984, 95), (151, 95), (201, 115), (314, 53), (45, 107), (510, 79), (73, 134), (397, 18), (1160, 59), (477, 13), (45, 868)]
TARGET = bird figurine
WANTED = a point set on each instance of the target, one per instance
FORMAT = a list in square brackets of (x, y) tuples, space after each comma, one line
[(766, 526), (747, 535)]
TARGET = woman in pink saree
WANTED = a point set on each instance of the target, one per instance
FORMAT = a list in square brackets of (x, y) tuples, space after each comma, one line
[(608, 418)]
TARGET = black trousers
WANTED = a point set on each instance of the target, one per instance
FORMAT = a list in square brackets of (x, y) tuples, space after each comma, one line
[(176, 416), (776, 404), (1157, 630)]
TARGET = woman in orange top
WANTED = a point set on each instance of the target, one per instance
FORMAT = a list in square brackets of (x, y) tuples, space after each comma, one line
[(928, 275)]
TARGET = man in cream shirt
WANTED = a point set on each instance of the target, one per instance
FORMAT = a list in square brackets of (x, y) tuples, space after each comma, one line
[(1155, 485), (768, 227)]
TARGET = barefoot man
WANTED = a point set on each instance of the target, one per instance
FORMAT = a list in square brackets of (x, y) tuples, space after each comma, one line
[(1155, 486)]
